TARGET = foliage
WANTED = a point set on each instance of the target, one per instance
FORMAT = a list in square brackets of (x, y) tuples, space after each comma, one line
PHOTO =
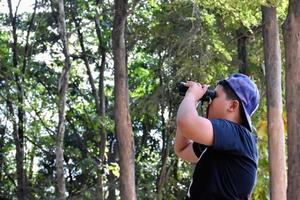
[(166, 43)]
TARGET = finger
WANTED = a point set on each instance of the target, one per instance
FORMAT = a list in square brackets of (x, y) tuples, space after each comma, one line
[(190, 83), (205, 86), (183, 83)]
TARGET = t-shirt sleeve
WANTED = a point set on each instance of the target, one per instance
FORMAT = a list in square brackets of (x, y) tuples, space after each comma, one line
[(231, 138), (199, 149)]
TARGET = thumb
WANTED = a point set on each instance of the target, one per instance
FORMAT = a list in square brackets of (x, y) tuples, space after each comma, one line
[(205, 87)]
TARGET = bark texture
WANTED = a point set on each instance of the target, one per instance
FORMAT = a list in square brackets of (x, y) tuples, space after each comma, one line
[(62, 89), (292, 55), (276, 141), (122, 116), (18, 125)]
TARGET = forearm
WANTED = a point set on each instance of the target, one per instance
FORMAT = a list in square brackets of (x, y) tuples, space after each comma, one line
[(187, 108), (192, 126), (186, 112)]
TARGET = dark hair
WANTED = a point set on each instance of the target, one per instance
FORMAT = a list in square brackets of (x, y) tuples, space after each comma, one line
[(231, 95)]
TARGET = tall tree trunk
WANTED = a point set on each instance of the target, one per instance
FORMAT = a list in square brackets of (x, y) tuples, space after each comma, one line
[(103, 134), (292, 55), (164, 157), (11, 117), (175, 172), (112, 179), (165, 147), (99, 101), (2, 142), (277, 161), (62, 89), (122, 116), (19, 127), (22, 94), (242, 50), (27, 44)]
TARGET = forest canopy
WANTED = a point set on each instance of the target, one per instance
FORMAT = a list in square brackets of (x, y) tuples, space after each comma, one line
[(166, 42)]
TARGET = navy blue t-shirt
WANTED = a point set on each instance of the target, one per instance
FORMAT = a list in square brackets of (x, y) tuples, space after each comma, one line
[(227, 169)]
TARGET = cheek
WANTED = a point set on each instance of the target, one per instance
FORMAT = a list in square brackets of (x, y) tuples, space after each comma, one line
[(218, 106), (216, 103), (213, 109)]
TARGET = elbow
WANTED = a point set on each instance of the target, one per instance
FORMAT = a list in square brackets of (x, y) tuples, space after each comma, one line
[(175, 148), (176, 151)]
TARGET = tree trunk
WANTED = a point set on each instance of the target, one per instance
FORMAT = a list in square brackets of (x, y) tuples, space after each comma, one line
[(164, 157), (103, 134), (292, 55), (2, 142), (22, 94), (27, 46), (112, 179), (62, 88), (175, 172), (20, 170), (99, 101), (242, 50), (165, 144), (276, 141), (122, 116), (19, 126)]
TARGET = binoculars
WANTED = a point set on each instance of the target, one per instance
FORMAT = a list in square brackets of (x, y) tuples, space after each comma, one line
[(208, 96)]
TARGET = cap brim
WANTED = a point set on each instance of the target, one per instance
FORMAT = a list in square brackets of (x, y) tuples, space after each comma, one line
[(248, 119)]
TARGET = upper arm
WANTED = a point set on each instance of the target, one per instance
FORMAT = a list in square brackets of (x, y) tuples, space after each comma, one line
[(197, 129)]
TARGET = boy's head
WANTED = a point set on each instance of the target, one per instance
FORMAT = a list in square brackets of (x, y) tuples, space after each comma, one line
[(236, 99), (230, 95)]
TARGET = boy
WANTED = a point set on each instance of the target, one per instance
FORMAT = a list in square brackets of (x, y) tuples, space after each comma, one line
[(221, 145)]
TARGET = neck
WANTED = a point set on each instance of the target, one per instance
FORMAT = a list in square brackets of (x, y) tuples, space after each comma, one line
[(234, 117)]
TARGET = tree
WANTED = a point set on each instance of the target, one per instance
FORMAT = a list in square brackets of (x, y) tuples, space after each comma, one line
[(18, 125), (2, 133), (292, 70), (166, 42), (162, 177), (122, 116), (99, 97), (62, 89), (272, 57), (101, 113), (242, 50)]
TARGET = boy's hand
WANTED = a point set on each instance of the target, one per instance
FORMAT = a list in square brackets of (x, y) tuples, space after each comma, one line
[(196, 89)]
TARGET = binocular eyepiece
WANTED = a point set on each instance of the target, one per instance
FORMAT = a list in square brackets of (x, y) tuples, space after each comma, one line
[(208, 96)]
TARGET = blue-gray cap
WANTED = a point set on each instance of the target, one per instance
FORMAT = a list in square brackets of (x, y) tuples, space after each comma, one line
[(247, 92)]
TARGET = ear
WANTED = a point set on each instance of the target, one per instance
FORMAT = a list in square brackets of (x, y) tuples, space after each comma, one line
[(234, 106)]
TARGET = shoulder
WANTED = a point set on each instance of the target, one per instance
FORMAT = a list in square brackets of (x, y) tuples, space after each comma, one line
[(232, 137), (223, 126)]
